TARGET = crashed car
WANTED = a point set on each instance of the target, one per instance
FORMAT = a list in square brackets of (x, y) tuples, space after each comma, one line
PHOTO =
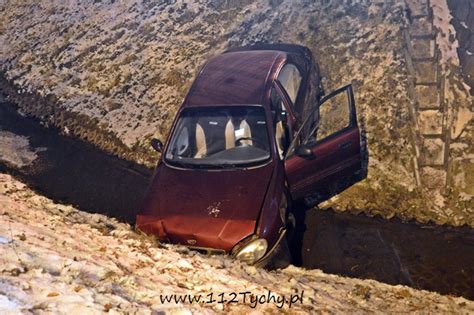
[(254, 135)]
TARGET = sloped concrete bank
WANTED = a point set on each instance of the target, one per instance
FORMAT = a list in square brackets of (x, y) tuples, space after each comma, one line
[(48, 110)]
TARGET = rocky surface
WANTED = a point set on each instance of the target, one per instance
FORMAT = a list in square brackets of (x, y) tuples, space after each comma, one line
[(56, 259), (114, 73)]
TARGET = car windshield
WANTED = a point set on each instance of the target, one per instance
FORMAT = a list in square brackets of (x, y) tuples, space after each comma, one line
[(220, 137)]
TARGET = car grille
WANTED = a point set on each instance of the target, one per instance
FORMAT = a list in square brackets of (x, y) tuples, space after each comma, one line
[(207, 251)]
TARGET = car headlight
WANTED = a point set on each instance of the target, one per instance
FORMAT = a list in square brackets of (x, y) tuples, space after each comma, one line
[(253, 251)]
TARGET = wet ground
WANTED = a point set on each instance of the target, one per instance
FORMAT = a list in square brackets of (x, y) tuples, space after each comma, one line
[(75, 172), (428, 256), (422, 256)]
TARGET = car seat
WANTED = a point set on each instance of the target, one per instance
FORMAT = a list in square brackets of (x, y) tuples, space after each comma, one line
[(244, 131), (201, 147), (229, 135), (213, 134)]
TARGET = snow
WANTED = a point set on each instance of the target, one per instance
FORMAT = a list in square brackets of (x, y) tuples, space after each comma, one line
[(446, 37), (15, 149), (6, 305), (464, 116), (4, 240), (67, 261)]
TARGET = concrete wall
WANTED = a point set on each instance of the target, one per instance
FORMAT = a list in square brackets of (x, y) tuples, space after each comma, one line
[(463, 22)]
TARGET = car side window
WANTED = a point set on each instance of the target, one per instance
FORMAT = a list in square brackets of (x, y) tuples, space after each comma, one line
[(290, 79), (334, 115)]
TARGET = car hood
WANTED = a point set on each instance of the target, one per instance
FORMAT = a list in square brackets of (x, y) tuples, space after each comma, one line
[(204, 208)]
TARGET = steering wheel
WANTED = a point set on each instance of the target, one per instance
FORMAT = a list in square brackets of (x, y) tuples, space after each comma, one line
[(237, 141)]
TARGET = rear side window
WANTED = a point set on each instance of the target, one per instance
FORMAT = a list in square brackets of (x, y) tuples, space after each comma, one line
[(290, 79)]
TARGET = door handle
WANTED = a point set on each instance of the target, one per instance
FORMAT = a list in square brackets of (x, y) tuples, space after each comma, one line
[(345, 145)]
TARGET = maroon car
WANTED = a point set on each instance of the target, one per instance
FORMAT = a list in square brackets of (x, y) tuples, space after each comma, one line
[(254, 134)]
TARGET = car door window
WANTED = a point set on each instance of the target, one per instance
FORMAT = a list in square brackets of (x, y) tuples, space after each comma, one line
[(290, 79), (336, 112), (334, 115)]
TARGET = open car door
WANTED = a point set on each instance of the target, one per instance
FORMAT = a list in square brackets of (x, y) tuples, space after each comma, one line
[(325, 155)]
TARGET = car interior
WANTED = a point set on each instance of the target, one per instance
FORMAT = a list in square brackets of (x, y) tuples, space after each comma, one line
[(211, 133)]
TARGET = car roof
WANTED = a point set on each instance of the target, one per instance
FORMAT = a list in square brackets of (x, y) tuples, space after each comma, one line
[(234, 78)]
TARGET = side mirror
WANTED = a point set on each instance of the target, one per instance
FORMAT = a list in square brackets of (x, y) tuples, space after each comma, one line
[(304, 151), (157, 145)]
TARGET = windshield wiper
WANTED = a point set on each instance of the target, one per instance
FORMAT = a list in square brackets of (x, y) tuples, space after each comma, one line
[(195, 165), (180, 163), (212, 166)]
